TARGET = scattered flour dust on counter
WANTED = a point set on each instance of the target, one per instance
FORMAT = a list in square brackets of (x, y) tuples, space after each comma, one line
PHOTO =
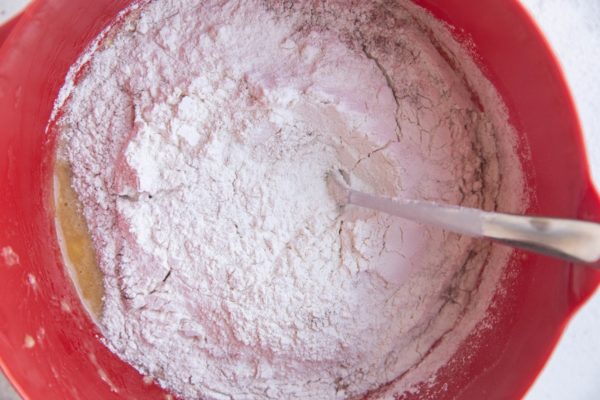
[(199, 138)]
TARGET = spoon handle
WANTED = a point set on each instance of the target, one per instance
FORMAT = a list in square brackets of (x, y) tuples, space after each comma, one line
[(571, 240)]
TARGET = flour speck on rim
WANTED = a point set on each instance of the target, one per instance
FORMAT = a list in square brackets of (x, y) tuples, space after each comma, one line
[(200, 138)]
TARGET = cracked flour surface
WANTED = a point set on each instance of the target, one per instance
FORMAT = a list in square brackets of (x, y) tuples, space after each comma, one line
[(200, 134)]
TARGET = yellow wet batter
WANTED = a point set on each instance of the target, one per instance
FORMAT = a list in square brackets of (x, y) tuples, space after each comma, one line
[(77, 243)]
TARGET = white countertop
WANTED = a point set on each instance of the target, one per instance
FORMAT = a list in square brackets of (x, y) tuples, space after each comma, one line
[(573, 28)]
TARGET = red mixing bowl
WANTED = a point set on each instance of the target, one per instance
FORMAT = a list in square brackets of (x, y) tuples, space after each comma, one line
[(49, 347)]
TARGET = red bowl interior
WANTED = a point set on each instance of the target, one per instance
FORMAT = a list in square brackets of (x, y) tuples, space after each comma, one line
[(50, 349)]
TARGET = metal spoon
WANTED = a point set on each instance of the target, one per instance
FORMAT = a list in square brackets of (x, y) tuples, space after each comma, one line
[(571, 240)]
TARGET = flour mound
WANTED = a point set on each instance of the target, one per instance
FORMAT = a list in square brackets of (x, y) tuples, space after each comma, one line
[(200, 138)]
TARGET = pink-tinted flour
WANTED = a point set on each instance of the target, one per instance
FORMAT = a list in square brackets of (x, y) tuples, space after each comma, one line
[(199, 139)]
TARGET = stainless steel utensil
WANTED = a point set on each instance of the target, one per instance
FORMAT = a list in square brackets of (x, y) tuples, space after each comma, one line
[(571, 240)]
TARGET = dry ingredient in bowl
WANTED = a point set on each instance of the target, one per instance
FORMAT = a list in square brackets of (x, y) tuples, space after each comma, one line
[(199, 135)]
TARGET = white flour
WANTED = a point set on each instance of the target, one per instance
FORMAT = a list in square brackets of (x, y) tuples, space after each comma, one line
[(200, 136)]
